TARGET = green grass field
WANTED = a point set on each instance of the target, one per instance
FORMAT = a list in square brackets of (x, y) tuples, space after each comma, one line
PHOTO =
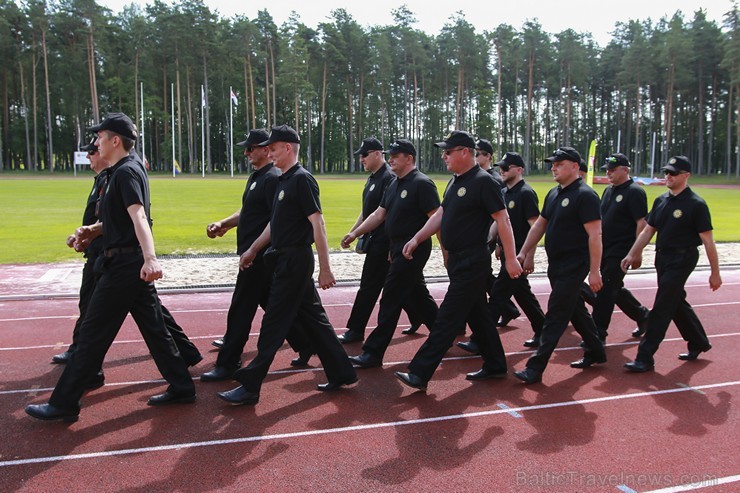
[(39, 212)]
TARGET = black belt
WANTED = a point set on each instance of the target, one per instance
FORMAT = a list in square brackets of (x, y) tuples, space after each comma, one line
[(675, 251), (110, 252)]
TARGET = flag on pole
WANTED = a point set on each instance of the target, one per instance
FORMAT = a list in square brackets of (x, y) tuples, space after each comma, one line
[(178, 170), (234, 99), (202, 97), (590, 163)]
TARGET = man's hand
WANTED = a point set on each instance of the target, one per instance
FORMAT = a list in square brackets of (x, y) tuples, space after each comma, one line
[(151, 271), (409, 248), (715, 281), (326, 279), (216, 229), (348, 239), (247, 258), (513, 268), (594, 281)]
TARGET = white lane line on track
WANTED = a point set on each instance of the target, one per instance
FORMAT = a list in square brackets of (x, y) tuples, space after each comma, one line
[(385, 365), (344, 429), (703, 484)]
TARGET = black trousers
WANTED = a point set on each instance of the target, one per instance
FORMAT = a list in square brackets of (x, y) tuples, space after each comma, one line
[(563, 305), (465, 300), (504, 287), (374, 270), (670, 304), (118, 292), (252, 289), (614, 293), (188, 350), (404, 287), (293, 299), (87, 286)]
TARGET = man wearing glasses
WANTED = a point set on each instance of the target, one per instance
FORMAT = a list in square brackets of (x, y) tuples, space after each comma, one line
[(683, 222), (410, 199), (571, 222), (623, 211), (375, 244), (471, 200)]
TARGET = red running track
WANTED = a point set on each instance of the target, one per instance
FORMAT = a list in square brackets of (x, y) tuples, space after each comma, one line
[(600, 429)]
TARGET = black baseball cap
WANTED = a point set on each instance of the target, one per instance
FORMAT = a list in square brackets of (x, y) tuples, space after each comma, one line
[(255, 137), (117, 123), (511, 159), (484, 145), (90, 148), (369, 144), (564, 154), (615, 160), (402, 146), (282, 133), (678, 164), (457, 138)]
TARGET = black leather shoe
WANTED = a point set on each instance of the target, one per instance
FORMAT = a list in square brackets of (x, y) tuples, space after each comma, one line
[(411, 330), (47, 412), (239, 395), (96, 382), (469, 346), (506, 319), (350, 336), (411, 380), (219, 343), (218, 374), (484, 374), (61, 358), (329, 386), (170, 397), (528, 375), (301, 360), (533, 342), (693, 354), (366, 360), (587, 361), (638, 366)]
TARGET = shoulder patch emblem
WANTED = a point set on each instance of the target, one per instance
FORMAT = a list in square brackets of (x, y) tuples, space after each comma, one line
[(677, 213), (565, 202), (281, 195), (404, 193), (461, 192), (619, 198)]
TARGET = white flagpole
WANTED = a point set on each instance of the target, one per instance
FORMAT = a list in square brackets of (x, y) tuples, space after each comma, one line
[(172, 94), (231, 131), (143, 140), (202, 132)]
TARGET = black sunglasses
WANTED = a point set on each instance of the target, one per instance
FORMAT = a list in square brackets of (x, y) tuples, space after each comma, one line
[(673, 173)]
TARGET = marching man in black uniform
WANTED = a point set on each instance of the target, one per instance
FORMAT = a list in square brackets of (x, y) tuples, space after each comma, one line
[(125, 284), (410, 199), (296, 222), (683, 222), (471, 200), (623, 211), (571, 223), (375, 243)]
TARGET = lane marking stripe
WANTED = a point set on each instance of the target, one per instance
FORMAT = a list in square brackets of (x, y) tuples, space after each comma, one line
[(344, 429)]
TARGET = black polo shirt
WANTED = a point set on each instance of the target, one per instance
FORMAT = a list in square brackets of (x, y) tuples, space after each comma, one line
[(372, 194), (522, 203), (296, 198), (469, 201), (127, 185), (679, 219), (567, 210), (621, 207), (257, 200), (407, 202), (92, 207)]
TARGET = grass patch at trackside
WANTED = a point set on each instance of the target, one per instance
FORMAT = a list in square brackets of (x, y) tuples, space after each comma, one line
[(39, 212)]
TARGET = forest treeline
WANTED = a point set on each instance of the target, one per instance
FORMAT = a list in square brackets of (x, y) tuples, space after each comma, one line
[(658, 88)]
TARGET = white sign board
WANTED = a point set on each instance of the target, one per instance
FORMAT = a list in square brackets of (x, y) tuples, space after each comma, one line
[(81, 159)]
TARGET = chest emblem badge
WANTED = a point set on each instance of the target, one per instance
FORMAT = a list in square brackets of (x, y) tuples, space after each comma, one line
[(404, 193), (281, 195), (678, 213), (565, 202), (619, 198), (461, 192)]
